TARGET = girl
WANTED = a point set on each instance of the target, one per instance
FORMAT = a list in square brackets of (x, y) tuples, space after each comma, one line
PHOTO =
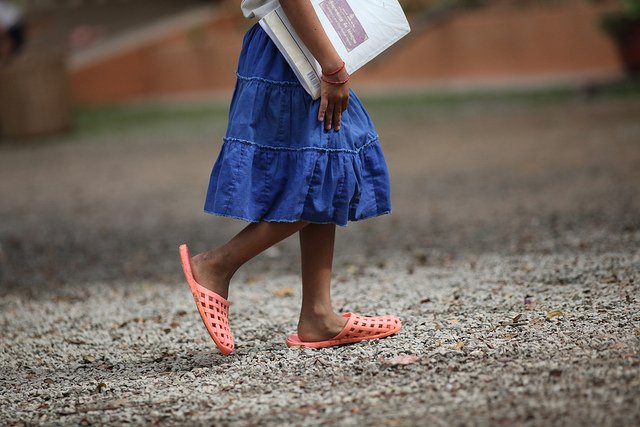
[(289, 165)]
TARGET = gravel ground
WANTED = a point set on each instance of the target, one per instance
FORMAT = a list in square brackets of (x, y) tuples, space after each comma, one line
[(512, 258)]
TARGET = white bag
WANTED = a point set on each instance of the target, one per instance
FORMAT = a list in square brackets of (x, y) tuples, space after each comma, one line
[(359, 29)]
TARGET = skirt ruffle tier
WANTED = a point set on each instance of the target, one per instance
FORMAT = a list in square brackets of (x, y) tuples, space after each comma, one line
[(277, 163)]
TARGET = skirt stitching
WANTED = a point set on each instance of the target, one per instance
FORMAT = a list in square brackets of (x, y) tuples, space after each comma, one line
[(374, 140)]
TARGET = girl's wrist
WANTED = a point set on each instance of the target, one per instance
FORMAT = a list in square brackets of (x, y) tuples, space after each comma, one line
[(334, 72), (332, 68), (335, 82), (338, 77)]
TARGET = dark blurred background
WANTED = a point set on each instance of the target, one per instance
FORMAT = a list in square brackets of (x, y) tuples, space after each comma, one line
[(510, 127), (123, 50)]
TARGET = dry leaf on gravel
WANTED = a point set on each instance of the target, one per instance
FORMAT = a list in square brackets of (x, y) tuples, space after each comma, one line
[(284, 292), (619, 345), (401, 360), (554, 314), (119, 402), (459, 345), (353, 269)]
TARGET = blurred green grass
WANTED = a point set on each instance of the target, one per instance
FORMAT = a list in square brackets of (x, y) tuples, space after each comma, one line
[(385, 107), (414, 106), (98, 120)]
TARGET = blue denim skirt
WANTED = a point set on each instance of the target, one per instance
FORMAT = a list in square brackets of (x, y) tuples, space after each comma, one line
[(278, 163)]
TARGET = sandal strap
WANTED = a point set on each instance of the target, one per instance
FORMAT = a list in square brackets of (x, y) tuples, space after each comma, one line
[(367, 327)]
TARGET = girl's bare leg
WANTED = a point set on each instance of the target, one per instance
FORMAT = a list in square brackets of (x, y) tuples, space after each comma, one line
[(214, 269), (317, 320)]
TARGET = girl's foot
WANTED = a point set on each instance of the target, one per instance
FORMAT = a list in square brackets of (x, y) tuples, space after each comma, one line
[(213, 308), (320, 328), (208, 272), (358, 328)]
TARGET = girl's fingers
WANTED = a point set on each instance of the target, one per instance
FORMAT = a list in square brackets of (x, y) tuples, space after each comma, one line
[(337, 120), (323, 108), (328, 119)]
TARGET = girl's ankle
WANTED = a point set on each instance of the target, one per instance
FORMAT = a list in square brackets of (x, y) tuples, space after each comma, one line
[(320, 327), (208, 273)]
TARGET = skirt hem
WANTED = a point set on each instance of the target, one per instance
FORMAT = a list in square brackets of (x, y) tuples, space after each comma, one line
[(295, 220)]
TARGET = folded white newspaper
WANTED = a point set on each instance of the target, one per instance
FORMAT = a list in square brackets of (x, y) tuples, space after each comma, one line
[(359, 29)]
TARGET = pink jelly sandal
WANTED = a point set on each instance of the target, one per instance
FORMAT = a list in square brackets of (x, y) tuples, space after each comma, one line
[(358, 328), (213, 309)]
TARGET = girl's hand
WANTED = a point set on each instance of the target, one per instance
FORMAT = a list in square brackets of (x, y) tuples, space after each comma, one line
[(334, 99)]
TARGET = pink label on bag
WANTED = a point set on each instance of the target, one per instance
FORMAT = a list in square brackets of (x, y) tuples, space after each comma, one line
[(345, 22)]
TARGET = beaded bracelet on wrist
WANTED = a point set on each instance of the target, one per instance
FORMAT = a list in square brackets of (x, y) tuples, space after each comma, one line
[(336, 83)]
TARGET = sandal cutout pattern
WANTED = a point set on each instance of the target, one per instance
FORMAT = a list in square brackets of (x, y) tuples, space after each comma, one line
[(367, 328), (213, 309), (358, 328)]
